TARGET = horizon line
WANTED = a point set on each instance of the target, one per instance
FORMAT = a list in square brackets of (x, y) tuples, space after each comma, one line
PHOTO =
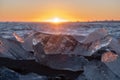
[(68, 21)]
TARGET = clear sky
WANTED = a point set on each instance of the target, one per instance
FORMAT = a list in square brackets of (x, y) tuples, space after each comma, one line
[(72, 10)]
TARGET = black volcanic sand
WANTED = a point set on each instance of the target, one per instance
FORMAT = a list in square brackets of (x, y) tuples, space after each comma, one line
[(27, 66)]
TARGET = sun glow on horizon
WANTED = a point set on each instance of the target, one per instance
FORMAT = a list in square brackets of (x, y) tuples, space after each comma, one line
[(56, 20)]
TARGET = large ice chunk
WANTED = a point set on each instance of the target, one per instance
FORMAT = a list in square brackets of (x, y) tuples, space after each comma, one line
[(13, 49), (114, 45), (32, 39), (68, 44), (60, 44), (93, 36), (59, 61), (112, 61)]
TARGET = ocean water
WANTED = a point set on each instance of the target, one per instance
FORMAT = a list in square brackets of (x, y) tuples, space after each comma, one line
[(74, 28)]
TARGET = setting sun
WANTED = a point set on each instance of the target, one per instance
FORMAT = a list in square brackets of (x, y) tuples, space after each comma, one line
[(56, 20)]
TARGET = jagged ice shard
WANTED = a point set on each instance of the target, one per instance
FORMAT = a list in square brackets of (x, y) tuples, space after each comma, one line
[(13, 49)]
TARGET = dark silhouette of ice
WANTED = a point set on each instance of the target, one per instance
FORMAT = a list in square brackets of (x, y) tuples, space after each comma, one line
[(81, 77), (32, 76), (96, 70), (7, 74)]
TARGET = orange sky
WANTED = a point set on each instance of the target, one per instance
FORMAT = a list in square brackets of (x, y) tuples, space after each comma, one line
[(71, 10)]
